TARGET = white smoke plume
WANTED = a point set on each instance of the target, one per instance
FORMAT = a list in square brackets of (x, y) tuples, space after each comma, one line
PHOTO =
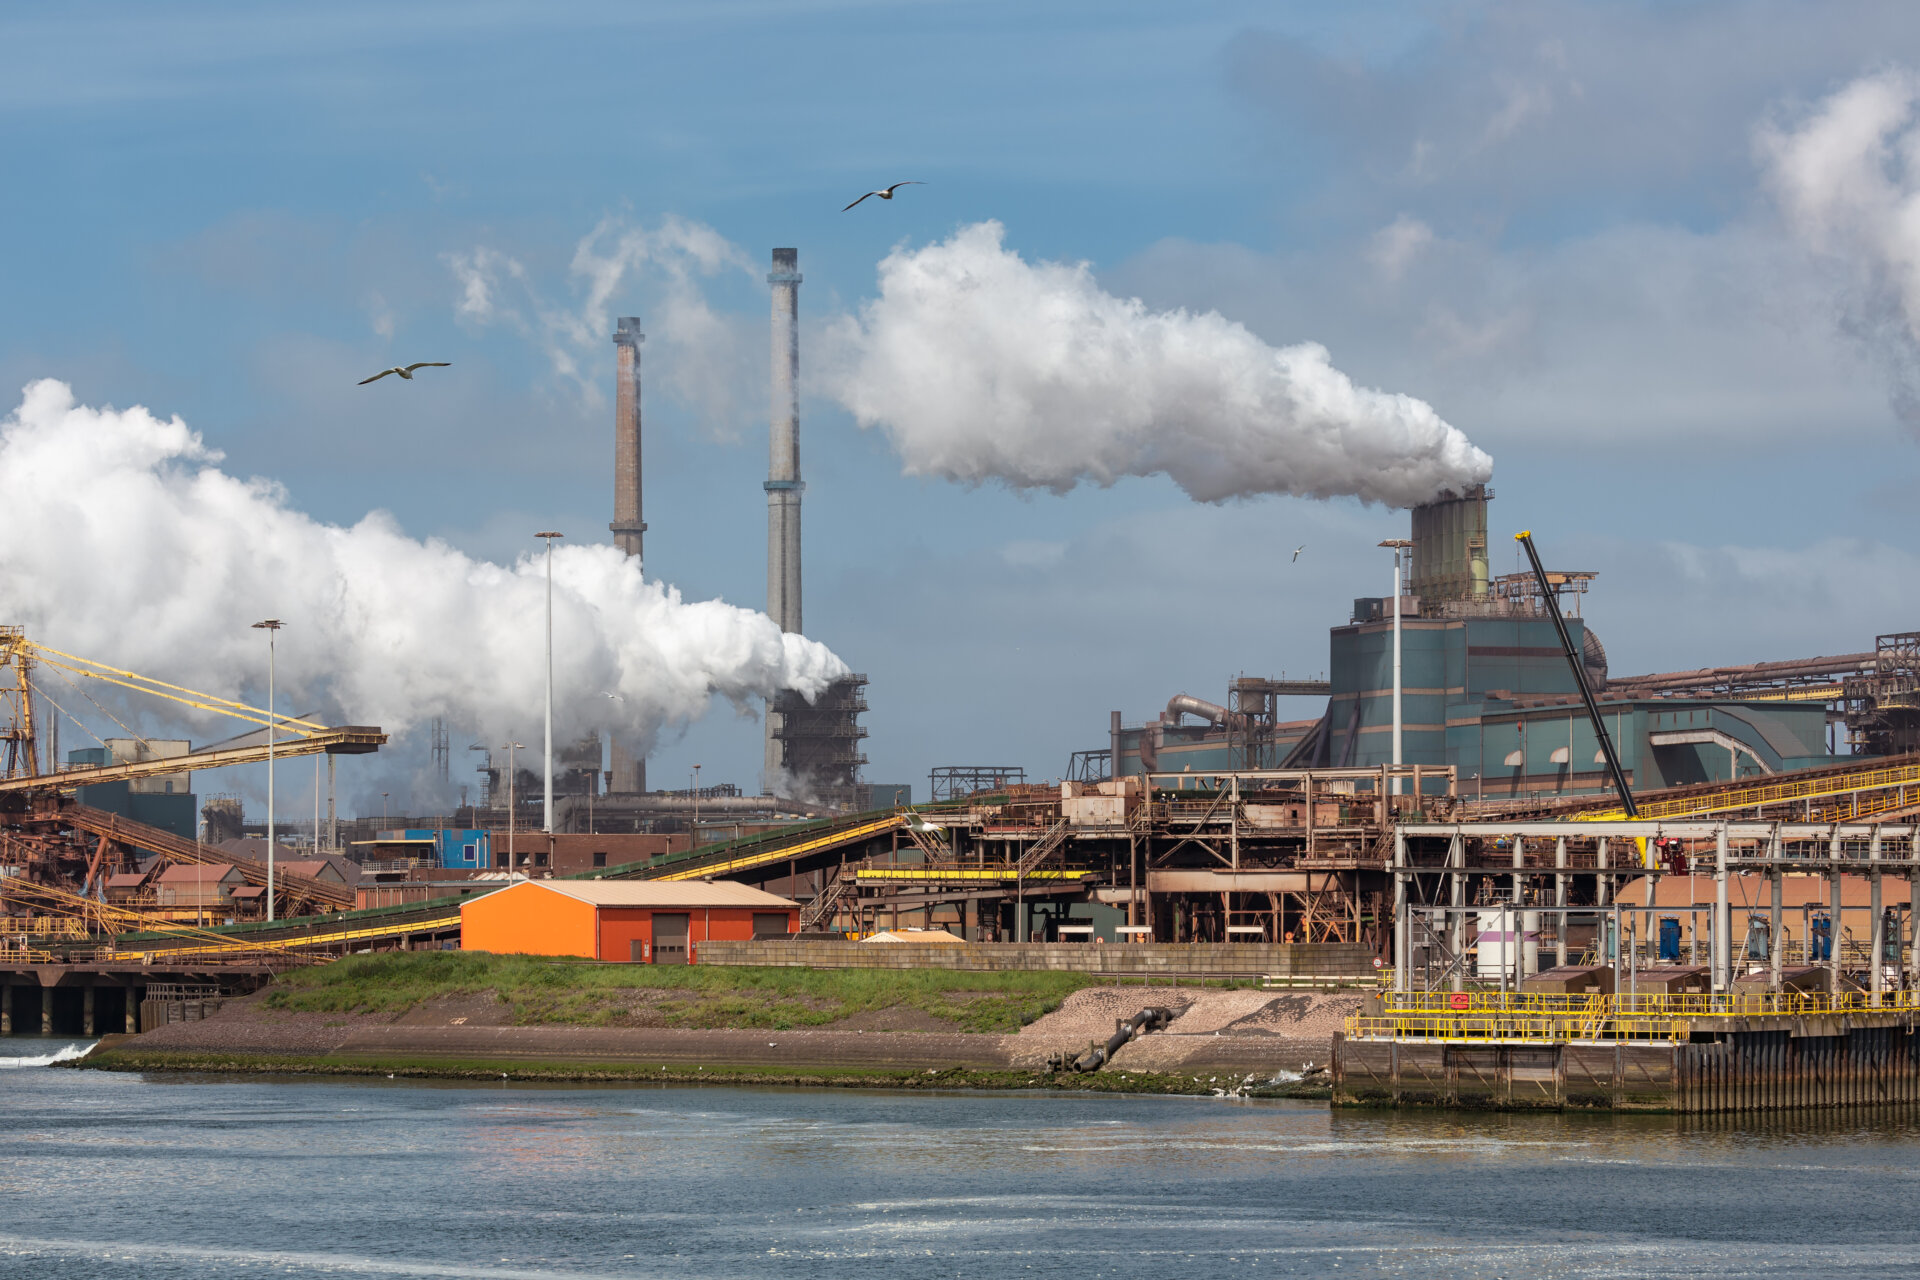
[(139, 551), (700, 354), (981, 366), (1847, 178)]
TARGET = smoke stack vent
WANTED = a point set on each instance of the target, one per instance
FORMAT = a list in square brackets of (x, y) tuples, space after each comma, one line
[(627, 772), (783, 471)]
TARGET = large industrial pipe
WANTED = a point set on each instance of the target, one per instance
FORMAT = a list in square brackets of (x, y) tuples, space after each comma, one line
[(1186, 704), (1154, 1019)]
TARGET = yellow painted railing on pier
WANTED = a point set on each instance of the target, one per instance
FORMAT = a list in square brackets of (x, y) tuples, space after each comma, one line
[(1736, 1004), (1486, 1017), (1837, 784)]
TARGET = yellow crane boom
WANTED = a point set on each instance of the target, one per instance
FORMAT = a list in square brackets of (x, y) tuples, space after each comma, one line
[(302, 737)]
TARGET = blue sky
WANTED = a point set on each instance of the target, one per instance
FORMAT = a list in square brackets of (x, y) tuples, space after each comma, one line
[(223, 211)]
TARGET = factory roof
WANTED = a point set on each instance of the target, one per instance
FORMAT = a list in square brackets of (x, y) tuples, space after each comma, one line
[(196, 873), (665, 893)]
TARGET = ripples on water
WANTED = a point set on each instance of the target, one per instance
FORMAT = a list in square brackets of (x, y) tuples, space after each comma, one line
[(119, 1176)]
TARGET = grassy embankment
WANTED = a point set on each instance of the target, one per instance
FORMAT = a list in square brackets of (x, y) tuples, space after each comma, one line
[(543, 990)]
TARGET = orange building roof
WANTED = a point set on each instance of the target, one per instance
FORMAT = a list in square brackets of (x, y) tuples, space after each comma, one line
[(666, 894)]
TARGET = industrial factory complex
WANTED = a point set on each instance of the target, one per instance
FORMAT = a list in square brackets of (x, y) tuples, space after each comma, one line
[(1522, 851)]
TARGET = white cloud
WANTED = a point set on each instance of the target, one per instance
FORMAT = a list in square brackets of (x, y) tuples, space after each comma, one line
[(980, 366), (698, 355), (178, 557), (1397, 244), (1847, 176)]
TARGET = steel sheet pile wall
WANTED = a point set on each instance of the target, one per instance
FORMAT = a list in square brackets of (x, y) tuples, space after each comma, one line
[(1768, 1070)]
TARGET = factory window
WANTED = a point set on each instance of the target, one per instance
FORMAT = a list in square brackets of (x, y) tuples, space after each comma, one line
[(599, 859), (470, 854), (539, 859)]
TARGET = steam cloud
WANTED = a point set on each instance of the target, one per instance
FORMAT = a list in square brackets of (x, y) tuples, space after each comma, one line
[(703, 355), (1847, 178), (143, 553), (980, 366)]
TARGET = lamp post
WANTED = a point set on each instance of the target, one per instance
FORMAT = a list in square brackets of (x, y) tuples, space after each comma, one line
[(549, 535), (1399, 546), (510, 747), (694, 840), (270, 626)]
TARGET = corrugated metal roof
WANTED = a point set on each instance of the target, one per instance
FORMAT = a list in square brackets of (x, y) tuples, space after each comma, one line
[(665, 893), (197, 873)]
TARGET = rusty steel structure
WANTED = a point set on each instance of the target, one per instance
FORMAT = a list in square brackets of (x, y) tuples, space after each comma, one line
[(54, 850), (19, 749), (1251, 855)]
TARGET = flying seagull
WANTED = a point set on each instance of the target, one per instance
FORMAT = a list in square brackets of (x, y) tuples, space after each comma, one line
[(1297, 550), (886, 193), (407, 371)]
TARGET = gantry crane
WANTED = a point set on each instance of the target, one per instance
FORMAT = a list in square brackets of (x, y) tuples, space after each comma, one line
[(31, 798)]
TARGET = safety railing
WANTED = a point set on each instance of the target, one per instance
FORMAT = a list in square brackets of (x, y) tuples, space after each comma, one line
[(1554, 1018), (43, 927), (1563, 1008), (1768, 793), (1498, 1027)]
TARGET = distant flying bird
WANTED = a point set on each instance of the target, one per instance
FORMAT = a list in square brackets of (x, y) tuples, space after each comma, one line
[(407, 371), (886, 193), (1297, 550)]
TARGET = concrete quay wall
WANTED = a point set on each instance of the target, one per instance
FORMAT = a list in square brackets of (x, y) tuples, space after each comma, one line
[(1336, 962)]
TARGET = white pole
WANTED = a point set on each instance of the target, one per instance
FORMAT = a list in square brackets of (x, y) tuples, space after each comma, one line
[(1398, 758), (1399, 547), (547, 823), (272, 627), (270, 663)]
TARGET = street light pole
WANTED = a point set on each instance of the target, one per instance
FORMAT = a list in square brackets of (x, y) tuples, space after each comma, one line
[(271, 626), (1399, 546), (694, 840), (549, 535), (510, 748)]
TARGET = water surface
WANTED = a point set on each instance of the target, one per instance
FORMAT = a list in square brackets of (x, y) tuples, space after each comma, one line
[(121, 1176)]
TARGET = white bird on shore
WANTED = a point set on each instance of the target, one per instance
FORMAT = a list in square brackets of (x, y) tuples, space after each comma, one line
[(406, 371), (886, 193)]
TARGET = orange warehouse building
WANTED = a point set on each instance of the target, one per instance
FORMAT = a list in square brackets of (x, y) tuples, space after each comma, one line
[(640, 921)]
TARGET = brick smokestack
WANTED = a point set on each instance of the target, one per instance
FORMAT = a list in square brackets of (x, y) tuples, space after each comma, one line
[(783, 472), (629, 771)]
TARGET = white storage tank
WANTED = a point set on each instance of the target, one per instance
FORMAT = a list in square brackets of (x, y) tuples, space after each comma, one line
[(1495, 945)]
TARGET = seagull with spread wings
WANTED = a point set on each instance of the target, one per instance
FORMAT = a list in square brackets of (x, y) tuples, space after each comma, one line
[(406, 371), (886, 193), (1297, 550)]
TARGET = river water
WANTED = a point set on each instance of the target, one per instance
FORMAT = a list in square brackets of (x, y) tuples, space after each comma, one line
[(122, 1176)]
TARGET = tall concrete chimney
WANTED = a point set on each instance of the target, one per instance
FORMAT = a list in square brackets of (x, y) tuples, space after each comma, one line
[(783, 472), (627, 525), (629, 773)]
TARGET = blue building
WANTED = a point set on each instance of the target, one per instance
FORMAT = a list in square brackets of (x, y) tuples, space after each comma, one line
[(454, 849)]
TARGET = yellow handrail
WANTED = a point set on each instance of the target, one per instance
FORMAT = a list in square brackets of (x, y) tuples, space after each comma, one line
[(1767, 793)]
